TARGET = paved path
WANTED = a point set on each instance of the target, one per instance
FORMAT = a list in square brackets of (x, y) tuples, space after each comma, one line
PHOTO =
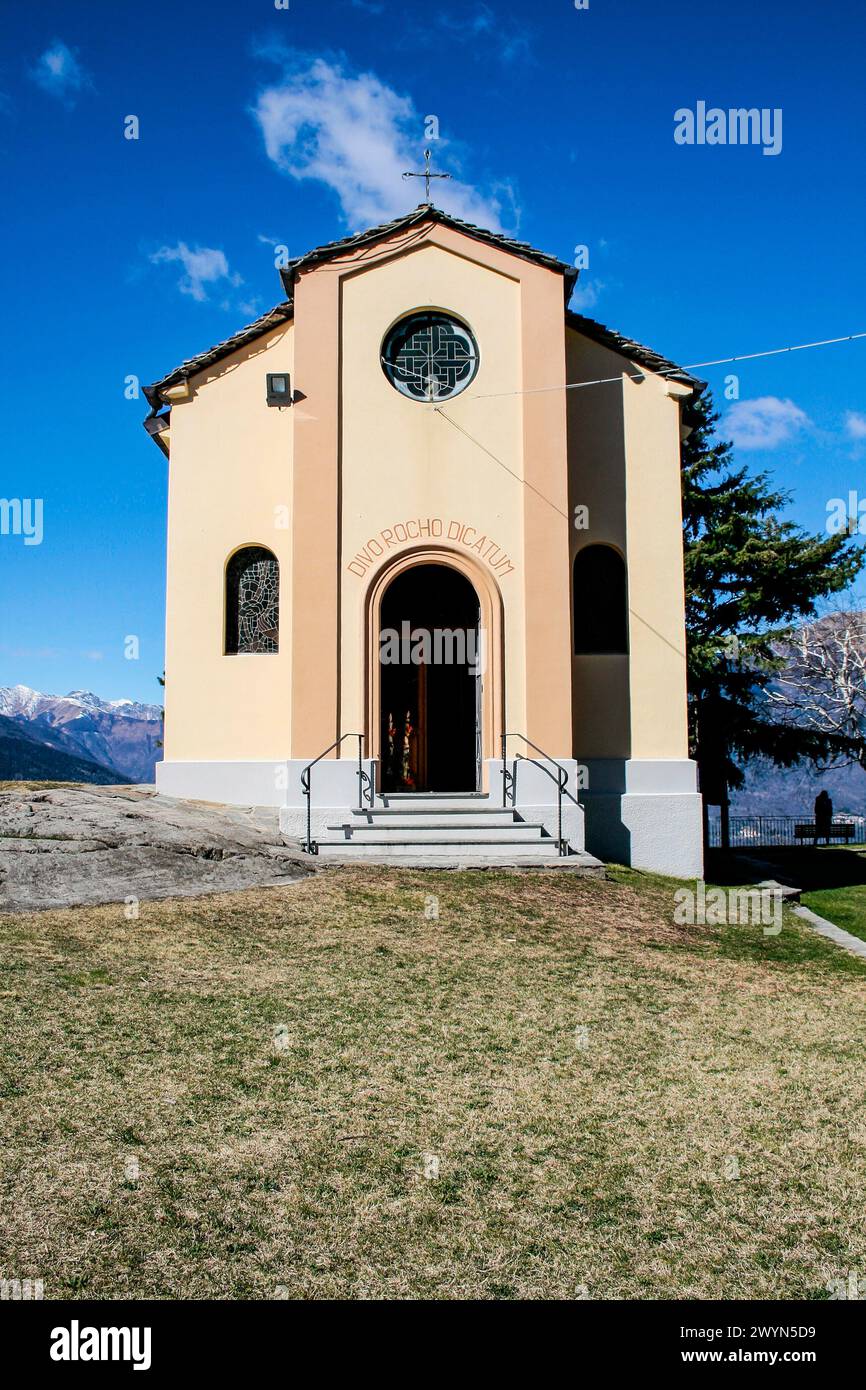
[(831, 931), (72, 846), (785, 883)]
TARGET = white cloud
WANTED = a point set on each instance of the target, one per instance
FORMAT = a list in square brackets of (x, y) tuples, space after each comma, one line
[(58, 72), (586, 295), (763, 423), (356, 135), (203, 265), (855, 424)]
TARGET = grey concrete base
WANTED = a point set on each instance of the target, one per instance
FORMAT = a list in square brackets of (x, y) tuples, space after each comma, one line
[(643, 812), (532, 791), (231, 783), (646, 813), (293, 821)]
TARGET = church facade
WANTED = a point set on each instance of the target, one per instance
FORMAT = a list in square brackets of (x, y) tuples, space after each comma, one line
[(392, 528)]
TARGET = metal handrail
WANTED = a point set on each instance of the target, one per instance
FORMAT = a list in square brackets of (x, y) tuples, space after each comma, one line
[(562, 781), (310, 846)]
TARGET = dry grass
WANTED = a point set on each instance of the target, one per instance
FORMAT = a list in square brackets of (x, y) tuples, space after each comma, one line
[(36, 786), (300, 1172)]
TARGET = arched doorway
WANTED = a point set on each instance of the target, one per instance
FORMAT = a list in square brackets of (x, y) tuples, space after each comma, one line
[(431, 658)]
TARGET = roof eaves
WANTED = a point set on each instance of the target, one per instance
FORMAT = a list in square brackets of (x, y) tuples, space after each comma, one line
[(627, 347), (158, 425), (193, 365)]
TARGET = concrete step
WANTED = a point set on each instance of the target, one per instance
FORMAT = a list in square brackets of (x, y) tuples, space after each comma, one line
[(420, 801), (515, 832), (418, 819), (390, 847), (447, 831)]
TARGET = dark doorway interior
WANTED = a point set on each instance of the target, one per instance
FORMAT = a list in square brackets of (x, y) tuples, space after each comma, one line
[(431, 696)]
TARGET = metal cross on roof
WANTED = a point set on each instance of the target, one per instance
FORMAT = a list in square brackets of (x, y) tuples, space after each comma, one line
[(426, 176)]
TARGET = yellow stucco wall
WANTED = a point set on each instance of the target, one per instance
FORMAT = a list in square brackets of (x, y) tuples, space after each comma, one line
[(655, 560), (358, 475), (230, 483), (597, 482), (409, 475), (379, 462), (624, 466)]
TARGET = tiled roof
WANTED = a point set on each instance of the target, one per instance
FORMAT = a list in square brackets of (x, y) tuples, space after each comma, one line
[(627, 347), (425, 212), (422, 214), (192, 365)]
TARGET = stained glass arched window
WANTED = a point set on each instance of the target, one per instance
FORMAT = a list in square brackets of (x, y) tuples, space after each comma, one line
[(252, 601), (430, 357), (600, 602)]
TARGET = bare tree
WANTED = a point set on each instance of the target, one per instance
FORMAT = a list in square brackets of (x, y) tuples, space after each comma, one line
[(823, 684)]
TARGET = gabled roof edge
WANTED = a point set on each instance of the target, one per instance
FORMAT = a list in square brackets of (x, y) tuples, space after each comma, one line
[(627, 347), (284, 311), (279, 314), (425, 212)]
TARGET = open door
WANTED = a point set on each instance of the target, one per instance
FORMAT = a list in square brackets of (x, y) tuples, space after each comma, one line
[(430, 683)]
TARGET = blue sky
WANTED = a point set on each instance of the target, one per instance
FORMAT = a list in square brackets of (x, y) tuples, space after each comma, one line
[(256, 124)]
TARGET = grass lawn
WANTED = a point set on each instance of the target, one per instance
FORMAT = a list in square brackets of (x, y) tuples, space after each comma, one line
[(833, 880), (318, 1091), (845, 907), (835, 884)]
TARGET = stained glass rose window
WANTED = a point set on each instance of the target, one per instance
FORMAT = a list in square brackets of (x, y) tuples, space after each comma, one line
[(430, 357)]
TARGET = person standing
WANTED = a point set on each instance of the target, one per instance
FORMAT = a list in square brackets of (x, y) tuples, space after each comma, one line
[(823, 817)]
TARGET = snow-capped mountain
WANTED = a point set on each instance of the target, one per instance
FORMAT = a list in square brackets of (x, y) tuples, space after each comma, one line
[(121, 735), (26, 759)]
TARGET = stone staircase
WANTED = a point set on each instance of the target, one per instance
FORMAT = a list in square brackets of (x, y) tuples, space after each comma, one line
[(440, 831)]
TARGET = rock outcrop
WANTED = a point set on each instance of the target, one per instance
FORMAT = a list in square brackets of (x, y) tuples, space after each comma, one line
[(72, 846)]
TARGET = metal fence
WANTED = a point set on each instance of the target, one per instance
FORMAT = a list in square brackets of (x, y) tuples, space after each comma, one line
[(758, 832)]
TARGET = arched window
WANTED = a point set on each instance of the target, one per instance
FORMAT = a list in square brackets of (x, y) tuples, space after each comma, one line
[(600, 602), (252, 601)]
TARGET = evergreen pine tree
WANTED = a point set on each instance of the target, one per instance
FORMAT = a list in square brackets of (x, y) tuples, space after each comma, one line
[(750, 576)]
